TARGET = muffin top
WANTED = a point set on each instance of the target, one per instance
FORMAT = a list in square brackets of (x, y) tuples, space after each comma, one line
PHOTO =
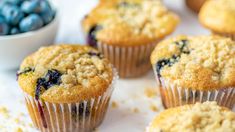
[(206, 117), (65, 74), (218, 15), (201, 63), (129, 22)]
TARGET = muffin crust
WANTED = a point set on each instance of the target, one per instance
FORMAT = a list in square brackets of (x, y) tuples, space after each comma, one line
[(218, 15), (201, 63), (199, 117), (69, 73), (130, 22)]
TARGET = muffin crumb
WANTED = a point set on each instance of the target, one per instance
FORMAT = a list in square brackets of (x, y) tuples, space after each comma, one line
[(114, 104), (150, 92)]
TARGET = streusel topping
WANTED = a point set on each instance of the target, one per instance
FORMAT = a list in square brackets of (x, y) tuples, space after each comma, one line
[(65, 67), (206, 117), (130, 21), (205, 62)]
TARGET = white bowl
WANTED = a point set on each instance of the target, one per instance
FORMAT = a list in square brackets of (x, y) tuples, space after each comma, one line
[(14, 48)]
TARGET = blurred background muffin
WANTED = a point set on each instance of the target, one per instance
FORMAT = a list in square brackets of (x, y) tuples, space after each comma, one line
[(195, 5), (205, 117), (66, 87), (219, 17), (195, 69), (127, 30)]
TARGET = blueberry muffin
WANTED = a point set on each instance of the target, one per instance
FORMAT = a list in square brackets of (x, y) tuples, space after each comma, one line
[(195, 69), (205, 117), (219, 17), (195, 5), (66, 87), (127, 30)]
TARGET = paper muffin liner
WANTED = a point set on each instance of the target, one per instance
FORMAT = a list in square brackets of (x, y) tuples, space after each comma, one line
[(173, 95), (130, 61), (82, 116), (232, 36)]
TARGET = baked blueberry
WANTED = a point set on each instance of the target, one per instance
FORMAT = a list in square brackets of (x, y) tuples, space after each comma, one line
[(78, 112), (92, 41), (163, 62), (53, 77), (183, 46), (98, 54), (26, 70)]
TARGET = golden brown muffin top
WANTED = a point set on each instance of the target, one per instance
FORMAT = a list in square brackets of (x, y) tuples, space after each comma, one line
[(65, 73), (201, 63), (206, 117), (218, 15), (130, 22)]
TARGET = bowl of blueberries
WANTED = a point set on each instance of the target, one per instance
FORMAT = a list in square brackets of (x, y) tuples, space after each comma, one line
[(25, 26)]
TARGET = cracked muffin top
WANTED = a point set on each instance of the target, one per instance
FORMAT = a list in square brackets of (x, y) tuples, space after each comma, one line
[(199, 117), (65, 74), (129, 22), (201, 63), (218, 15)]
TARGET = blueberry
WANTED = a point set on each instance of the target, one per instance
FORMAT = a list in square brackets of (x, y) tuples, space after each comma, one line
[(30, 23), (4, 28), (47, 17), (24, 71), (75, 110), (45, 6), (91, 53), (53, 77), (12, 14), (166, 62), (32, 6), (91, 39), (14, 30), (16, 2), (183, 46)]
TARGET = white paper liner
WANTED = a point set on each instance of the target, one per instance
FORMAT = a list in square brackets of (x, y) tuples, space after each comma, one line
[(68, 117), (173, 95), (232, 36), (130, 61)]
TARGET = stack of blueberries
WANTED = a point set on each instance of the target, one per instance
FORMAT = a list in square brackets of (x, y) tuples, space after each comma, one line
[(19, 16)]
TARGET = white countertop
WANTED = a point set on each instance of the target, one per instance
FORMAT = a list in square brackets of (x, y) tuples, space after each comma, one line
[(133, 112)]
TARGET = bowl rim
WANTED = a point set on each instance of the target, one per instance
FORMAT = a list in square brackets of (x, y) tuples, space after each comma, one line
[(30, 33)]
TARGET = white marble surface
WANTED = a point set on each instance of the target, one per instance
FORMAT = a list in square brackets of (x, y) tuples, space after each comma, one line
[(128, 93)]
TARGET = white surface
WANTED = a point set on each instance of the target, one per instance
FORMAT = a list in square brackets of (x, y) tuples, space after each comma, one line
[(128, 93), (14, 48)]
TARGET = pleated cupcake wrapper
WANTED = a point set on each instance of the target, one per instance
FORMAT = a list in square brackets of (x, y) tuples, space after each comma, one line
[(130, 61), (232, 36), (173, 95), (83, 116)]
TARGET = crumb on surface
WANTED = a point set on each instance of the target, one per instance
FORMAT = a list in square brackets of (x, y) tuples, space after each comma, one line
[(18, 129), (114, 104), (154, 108), (150, 92), (4, 111), (135, 110)]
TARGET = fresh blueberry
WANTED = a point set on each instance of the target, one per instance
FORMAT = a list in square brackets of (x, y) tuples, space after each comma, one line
[(12, 14), (4, 28), (30, 23), (45, 6), (32, 6), (47, 17), (91, 39), (15, 2), (14, 30)]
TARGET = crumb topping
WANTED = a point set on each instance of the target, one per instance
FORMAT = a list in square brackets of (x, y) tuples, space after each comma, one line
[(199, 117), (135, 18), (204, 62)]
